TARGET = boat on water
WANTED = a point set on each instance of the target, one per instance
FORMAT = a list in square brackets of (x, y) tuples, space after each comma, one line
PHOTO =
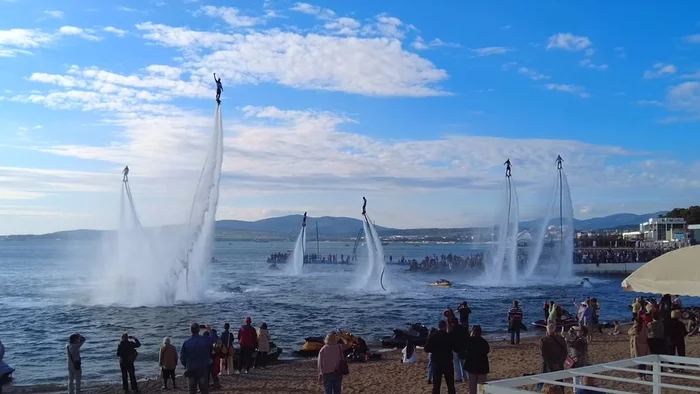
[(441, 283)]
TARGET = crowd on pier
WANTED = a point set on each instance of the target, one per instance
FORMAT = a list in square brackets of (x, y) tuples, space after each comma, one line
[(606, 256)]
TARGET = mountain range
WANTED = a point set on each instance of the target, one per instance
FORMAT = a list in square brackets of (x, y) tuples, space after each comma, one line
[(333, 228)]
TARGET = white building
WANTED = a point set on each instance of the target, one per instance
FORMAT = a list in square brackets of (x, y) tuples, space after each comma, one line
[(663, 229), (632, 235)]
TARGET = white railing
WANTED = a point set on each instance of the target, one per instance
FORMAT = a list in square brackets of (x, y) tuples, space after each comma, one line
[(655, 369)]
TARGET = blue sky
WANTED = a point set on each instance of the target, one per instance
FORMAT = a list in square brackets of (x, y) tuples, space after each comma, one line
[(414, 105)]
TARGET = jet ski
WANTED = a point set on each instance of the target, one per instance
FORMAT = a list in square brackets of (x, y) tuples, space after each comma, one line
[(416, 332), (272, 356), (313, 345), (442, 283), (273, 266), (567, 321)]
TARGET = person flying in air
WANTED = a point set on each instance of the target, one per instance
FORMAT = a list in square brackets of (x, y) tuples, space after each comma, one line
[(364, 206), (303, 221), (507, 164), (126, 174), (559, 162), (219, 88)]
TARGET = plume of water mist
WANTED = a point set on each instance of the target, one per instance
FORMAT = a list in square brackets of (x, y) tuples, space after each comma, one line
[(149, 267), (535, 250), (504, 258), (567, 220), (370, 278), (296, 266)]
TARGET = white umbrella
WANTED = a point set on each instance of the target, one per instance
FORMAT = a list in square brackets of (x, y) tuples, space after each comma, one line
[(676, 272)]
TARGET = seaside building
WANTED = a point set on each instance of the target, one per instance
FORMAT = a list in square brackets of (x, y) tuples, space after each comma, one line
[(632, 235), (663, 229)]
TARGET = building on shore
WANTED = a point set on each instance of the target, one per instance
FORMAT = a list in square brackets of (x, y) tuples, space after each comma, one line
[(663, 229)]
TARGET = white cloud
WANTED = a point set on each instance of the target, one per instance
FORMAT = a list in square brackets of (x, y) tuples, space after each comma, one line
[(343, 26), (620, 51), (231, 16), (532, 74), (589, 64), (487, 51), (78, 31), (505, 27), (577, 90), (15, 42), (377, 67), (660, 70), (569, 42), (115, 31), (321, 13), (693, 39), (54, 14), (420, 44)]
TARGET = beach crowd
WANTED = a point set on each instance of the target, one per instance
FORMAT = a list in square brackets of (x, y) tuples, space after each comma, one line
[(456, 350), (606, 256)]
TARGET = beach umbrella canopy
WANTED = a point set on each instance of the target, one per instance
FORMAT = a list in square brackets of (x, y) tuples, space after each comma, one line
[(676, 272)]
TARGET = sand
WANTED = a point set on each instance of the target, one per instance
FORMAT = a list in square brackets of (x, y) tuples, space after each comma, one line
[(390, 376)]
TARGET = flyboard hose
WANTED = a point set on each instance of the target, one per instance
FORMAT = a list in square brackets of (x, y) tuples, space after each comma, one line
[(561, 219), (371, 236)]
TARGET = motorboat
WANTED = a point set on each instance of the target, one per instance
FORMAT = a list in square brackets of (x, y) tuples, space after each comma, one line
[(416, 332), (442, 283), (312, 345)]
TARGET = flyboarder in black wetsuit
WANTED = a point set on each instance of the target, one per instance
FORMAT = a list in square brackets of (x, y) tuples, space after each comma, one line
[(364, 206), (507, 164), (559, 162), (219, 88), (126, 174), (303, 221)]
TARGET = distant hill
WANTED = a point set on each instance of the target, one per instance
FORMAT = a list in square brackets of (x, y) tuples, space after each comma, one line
[(616, 221), (289, 226), (334, 228)]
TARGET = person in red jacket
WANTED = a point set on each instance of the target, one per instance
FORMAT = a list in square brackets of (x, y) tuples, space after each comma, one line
[(248, 339)]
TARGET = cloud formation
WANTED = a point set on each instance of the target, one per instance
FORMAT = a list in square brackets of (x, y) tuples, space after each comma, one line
[(660, 70), (568, 42)]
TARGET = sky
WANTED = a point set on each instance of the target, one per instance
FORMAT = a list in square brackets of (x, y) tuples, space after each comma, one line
[(415, 105)]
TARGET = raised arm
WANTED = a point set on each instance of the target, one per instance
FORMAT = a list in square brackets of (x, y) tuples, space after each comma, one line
[(215, 78), (81, 341), (136, 342)]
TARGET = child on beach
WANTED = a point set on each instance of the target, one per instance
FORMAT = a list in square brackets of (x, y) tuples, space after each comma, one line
[(616, 328), (409, 353)]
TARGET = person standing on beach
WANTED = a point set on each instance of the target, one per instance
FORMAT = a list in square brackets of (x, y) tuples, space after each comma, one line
[(441, 345), (263, 346), (464, 312), (75, 372), (515, 322), (477, 360), (126, 351), (553, 350), (248, 339), (167, 359), (195, 356), (227, 349), (329, 357)]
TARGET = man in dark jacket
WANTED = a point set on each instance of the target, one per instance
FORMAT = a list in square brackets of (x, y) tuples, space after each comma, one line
[(248, 339), (440, 345), (126, 351), (464, 312), (554, 351), (195, 356)]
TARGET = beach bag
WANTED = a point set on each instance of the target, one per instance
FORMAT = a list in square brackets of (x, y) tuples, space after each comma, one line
[(569, 362), (342, 367)]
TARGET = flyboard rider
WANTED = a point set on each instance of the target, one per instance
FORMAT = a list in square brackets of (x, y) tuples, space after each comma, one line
[(219, 89), (559, 162), (303, 221), (507, 164), (126, 173), (364, 206)]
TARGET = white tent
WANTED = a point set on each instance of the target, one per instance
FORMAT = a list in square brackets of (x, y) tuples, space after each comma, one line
[(676, 272)]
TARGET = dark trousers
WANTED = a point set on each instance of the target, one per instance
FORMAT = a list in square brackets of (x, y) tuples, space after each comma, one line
[(261, 359), (657, 345), (447, 370), (168, 374), (515, 335), (677, 349), (128, 369), (198, 379), (211, 376), (246, 358)]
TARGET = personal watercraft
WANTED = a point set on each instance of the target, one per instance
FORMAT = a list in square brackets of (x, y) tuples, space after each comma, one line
[(273, 266), (313, 345), (442, 283), (416, 332), (272, 356)]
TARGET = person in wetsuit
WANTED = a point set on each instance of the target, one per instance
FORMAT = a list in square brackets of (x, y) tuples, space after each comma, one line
[(126, 173), (303, 221), (559, 162), (219, 88), (507, 164), (364, 206)]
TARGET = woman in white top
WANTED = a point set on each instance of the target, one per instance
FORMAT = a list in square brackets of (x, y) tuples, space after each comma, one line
[(409, 353)]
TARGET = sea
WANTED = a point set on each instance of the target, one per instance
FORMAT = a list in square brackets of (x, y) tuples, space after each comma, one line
[(47, 293)]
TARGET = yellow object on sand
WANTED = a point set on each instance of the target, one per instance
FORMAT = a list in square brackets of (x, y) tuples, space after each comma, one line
[(442, 283)]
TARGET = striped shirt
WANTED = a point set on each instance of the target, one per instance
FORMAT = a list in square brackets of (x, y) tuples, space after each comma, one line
[(515, 314)]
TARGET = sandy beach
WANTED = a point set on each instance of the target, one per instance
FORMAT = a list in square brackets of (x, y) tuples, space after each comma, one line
[(389, 375)]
